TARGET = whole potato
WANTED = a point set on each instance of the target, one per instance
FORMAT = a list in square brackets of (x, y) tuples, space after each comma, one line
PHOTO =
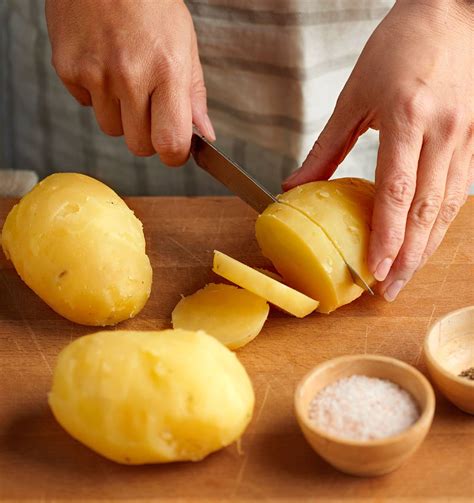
[(76, 243), (151, 397)]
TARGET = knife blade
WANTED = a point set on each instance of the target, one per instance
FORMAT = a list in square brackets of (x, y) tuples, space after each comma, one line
[(242, 184), (234, 177)]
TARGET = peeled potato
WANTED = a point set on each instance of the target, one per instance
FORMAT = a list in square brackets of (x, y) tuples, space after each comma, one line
[(232, 315), (305, 257), (270, 274), (343, 209), (80, 248), (151, 397), (286, 298)]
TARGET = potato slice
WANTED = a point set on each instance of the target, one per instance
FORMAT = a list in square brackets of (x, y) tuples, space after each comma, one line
[(305, 257), (270, 274), (291, 301), (232, 315), (343, 209)]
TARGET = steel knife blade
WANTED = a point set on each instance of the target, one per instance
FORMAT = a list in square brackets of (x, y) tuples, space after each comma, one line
[(230, 174)]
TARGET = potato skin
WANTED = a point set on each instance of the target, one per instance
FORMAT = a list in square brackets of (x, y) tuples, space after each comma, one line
[(76, 243), (151, 397)]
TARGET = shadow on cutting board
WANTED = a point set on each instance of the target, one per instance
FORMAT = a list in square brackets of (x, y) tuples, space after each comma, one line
[(37, 457)]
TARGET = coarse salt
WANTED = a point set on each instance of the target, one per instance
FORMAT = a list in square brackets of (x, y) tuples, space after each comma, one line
[(363, 408)]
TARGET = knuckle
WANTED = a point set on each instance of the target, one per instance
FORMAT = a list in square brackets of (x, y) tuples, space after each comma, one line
[(449, 209), (172, 149), (91, 74), (169, 68), (415, 105), (129, 75), (63, 67), (315, 152), (398, 191), (171, 64), (409, 261), (199, 91), (140, 148), (111, 130), (453, 120), (391, 238), (425, 211)]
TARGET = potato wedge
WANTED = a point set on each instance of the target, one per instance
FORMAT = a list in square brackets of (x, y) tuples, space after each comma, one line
[(305, 257), (343, 209), (286, 298), (232, 315)]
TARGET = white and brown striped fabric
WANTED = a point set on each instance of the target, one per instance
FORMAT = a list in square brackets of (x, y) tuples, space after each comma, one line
[(273, 70)]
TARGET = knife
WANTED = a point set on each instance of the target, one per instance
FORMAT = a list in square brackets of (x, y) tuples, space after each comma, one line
[(230, 174), (239, 182)]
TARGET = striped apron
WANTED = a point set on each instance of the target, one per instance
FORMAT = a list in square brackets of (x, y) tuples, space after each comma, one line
[(273, 71)]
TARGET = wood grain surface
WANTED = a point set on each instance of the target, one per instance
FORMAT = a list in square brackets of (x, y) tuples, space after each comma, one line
[(39, 461)]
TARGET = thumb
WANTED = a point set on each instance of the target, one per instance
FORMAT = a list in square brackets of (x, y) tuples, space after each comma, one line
[(199, 97), (334, 143)]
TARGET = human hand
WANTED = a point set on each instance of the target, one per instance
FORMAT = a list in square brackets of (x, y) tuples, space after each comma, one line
[(137, 63), (414, 83)]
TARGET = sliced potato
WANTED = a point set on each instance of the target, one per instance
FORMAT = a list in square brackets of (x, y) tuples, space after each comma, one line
[(232, 315), (343, 209), (270, 274), (286, 298), (305, 257)]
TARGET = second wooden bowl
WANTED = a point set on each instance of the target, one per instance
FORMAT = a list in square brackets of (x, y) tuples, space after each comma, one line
[(449, 349), (373, 457)]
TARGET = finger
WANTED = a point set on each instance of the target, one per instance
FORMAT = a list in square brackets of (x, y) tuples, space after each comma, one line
[(171, 120), (136, 121), (107, 113), (433, 166), (395, 182), (338, 137), (199, 97), (457, 189), (81, 94)]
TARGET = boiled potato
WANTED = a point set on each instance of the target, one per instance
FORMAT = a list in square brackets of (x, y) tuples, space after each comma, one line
[(279, 294), (305, 257), (271, 274), (232, 315), (151, 397), (80, 248), (343, 209)]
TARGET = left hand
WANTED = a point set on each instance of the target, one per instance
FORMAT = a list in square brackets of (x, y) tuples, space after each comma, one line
[(413, 82)]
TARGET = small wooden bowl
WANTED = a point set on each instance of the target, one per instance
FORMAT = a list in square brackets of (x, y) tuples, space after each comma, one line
[(372, 457), (449, 349)]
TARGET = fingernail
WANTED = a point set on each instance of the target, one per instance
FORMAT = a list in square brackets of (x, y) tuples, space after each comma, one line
[(292, 177), (210, 133), (393, 290), (383, 269)]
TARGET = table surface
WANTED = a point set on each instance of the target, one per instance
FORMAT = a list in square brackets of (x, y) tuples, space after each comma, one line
[(38, 460)]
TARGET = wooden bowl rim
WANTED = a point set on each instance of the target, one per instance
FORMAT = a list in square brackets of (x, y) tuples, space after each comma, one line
[(467, 383), (424, 421)]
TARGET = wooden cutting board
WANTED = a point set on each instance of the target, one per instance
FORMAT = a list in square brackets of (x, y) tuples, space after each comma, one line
[(39, 461)]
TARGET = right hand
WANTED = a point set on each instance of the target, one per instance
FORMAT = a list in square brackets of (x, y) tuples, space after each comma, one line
[(137, 64)]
